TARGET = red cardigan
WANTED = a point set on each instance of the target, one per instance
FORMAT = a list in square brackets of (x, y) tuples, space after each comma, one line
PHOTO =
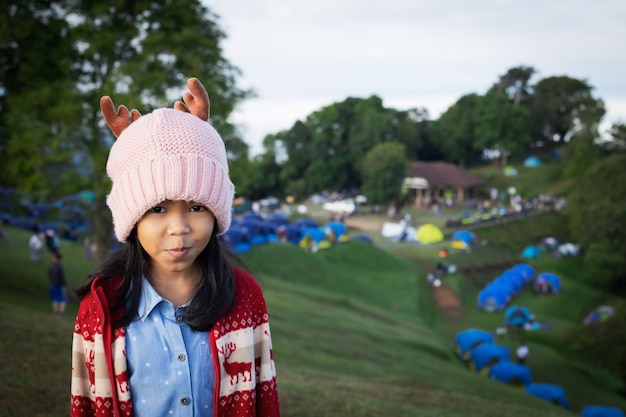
[(245, 376)]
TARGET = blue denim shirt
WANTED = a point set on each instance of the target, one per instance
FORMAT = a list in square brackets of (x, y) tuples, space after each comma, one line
[(170, 366)]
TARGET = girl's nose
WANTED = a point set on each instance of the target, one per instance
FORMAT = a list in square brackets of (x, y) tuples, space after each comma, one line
[(178, 225)]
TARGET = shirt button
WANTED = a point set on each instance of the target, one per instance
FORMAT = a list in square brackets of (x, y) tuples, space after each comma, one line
[(181, 357), (179, 318), (184, 401)]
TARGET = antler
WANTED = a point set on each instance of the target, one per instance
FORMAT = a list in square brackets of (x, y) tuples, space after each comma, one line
[(117, 120), (196, 100)]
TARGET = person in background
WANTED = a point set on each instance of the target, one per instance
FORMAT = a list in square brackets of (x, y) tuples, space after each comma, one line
[(522, 353), (171, 323), (57, 285), (35, 245)]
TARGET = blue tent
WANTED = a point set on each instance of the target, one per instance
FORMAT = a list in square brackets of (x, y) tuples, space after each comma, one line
[(484, 356), (278, 220), (338, 229), (525, 270), (464, 235), (530, 252), (549, 392), (470, 339), (515, 277), (316, 234), (601, 411), (256, 230), (517, 316), (554, 282), (492, 299), (289, 233), (237, 239), (271, 230), (305, 223), (532, 161), (511, 373), (253, 217), (362, 238)]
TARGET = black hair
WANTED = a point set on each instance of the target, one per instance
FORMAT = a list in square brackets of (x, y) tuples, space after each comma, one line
[(213, 298)]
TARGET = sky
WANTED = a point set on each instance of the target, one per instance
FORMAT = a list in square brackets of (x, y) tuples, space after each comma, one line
[(301, 55)]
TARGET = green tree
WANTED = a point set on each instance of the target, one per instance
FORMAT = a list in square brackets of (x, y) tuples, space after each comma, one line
[(597, 217), (138, 51), (501, 126), (560, 106), (515, 84), (384, 169), (454, 131)]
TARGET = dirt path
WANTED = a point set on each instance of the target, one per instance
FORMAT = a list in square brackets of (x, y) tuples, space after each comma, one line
[(448, 302)]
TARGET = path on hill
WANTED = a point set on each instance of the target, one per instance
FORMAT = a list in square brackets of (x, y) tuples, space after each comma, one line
[(447, 300)]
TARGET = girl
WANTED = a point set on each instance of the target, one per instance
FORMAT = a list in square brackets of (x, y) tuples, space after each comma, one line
[(168, 325)]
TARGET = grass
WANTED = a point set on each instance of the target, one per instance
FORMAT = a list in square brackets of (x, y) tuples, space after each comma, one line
[(355, 328)]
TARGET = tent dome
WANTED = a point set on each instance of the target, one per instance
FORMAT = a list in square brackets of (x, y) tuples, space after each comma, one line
[(511, 373), (429, 233), (470, 339), (549, 392), (530, 252), (601, 411), (484, 356)]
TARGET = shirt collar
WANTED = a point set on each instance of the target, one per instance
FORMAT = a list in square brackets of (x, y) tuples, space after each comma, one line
[(148, 300)]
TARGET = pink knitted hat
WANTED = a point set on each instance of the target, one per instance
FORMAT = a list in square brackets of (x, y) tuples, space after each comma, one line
[(168, 154)]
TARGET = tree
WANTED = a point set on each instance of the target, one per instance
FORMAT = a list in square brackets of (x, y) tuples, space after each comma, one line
[(384, 169), (140, 52), (500, 125), (515, 84), (455, 130), (597, 217), (560, 106)]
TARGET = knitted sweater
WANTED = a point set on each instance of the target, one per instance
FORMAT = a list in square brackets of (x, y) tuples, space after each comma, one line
[(245, 376)]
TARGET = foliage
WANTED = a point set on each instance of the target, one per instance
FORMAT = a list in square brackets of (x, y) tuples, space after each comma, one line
[(515, 84), (384, 169), (597, 213), (601, 344), (562, 105)]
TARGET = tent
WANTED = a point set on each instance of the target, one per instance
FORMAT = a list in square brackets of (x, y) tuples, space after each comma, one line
[(530, 252), (362, 238), (549, 392), (238, 239), (511, 373), (517, 316), (336, 231), (548, 282), (525, 270), (484, 356), (277, 219), (256, 230), (314, 238), (429, 233), (470, 339), (289, 233), (492, 299), (600, 314), (601, 411), (464, 235), (532, 161), (568, 249), (305, 223), (509, 171)]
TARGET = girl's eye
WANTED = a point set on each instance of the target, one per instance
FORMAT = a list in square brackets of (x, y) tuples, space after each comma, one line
[(157, 209), (197, 208)]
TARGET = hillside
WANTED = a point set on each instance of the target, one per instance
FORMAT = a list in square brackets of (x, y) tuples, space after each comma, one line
[(356, 329)]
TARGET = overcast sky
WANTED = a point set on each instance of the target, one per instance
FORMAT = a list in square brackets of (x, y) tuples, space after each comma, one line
[(301, 55)]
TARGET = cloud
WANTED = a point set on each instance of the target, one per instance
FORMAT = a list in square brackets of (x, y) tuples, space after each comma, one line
[(300, 56)]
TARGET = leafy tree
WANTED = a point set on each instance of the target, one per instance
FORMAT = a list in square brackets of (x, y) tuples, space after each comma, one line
[(500, 125), (560, 106), (597, 216), (617, 142), (515, 84), (454, 131), (384, 170)]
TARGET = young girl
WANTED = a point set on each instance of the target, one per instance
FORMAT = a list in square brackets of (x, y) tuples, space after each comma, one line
[(168, 325)]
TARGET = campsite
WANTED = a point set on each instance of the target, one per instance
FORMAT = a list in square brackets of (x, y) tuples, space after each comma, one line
[(357, 328)]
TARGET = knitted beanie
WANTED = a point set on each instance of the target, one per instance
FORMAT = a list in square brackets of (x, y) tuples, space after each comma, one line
[(167, 155)]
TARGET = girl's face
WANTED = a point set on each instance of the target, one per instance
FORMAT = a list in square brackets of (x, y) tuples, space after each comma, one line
[(174, 233)]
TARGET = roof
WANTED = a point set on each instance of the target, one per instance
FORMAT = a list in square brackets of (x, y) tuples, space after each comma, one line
[(443, 174)]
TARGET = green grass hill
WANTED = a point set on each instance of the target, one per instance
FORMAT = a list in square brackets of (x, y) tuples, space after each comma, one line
[(356, 329)]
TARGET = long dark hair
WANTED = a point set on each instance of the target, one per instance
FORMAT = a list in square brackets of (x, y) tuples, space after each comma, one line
[(214, 297)]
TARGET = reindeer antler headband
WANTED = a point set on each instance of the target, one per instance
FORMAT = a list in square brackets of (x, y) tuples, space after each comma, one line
[(196, 102)]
